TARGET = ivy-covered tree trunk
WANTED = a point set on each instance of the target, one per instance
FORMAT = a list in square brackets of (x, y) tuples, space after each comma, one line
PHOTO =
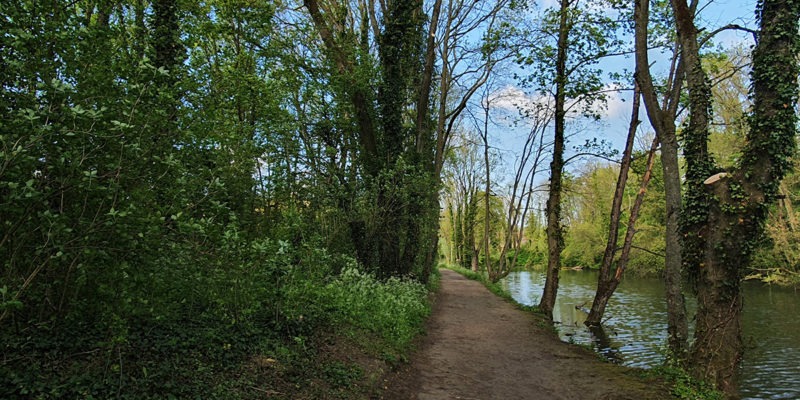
[(428, 232), (555, 239), (725, 211), (396, 233)]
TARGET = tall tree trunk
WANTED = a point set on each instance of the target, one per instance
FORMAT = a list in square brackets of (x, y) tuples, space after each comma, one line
[(555, 240), (696, 221), (399, 59), (487, 195), (424, 131), (677, 320), (613, 281), (606, 282), (663, 121), (736, 202)]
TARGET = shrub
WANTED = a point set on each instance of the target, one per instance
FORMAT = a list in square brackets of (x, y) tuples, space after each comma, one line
[(394, 309)]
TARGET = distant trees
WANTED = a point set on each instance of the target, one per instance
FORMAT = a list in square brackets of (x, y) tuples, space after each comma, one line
[(587, 203), (462, 178)]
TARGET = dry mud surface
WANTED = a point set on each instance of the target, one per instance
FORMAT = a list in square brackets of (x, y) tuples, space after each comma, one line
[(479, 346)]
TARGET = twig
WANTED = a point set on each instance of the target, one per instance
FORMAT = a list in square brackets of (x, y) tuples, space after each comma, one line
[(267, 392)]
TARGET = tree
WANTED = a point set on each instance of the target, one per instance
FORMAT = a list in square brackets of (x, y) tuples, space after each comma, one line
[(575, 86), (606, 283), (662, 115), (726, 210), (555, 240), (396, 168), (462, 176), (402, 157)]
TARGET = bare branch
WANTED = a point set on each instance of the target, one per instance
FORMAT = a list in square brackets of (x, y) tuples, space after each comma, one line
[(729, 27)]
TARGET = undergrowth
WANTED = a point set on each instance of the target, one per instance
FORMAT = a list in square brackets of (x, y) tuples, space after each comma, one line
[(683, 385), (395, 309), (286, 327)]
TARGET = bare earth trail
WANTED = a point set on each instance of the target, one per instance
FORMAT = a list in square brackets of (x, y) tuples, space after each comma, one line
[(479, 346)]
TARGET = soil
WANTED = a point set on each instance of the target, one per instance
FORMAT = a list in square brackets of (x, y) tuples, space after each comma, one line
[(480, 346)]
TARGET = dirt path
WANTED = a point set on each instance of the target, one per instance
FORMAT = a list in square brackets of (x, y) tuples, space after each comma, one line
[(479, 346)]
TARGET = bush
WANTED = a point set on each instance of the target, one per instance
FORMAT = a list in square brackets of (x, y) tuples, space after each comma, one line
[(395, 309)]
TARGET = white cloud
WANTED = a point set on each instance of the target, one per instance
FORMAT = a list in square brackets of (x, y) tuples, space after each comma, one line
[(513, 99), (618, 104)]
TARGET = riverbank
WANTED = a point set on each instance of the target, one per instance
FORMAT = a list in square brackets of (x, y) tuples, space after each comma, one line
[(479, 346), (636, 326)]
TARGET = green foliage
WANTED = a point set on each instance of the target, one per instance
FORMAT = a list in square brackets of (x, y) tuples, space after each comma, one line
[(199, 344), (587, 204), (777, 257), (395, 308), (342, 375), (529, 258), (166, 213), (588, 41), (684, 386)]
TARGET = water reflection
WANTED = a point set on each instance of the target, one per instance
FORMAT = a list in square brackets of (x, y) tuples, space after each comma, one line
[(635, 326)]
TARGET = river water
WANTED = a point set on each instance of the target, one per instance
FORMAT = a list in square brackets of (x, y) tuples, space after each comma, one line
[(636, 326)]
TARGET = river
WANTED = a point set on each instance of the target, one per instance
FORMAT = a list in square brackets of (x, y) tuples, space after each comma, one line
[(636, 326)]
